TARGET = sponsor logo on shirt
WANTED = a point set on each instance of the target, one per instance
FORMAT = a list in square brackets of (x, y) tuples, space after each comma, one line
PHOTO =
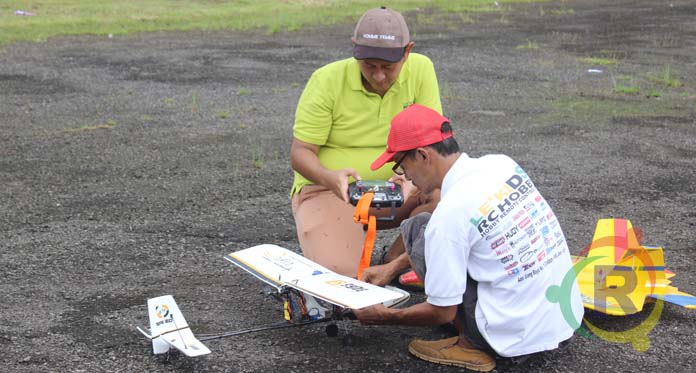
[(502, 251), (511, 265), (548, 240), (525, 222), (527, 256), (540, 222), (512, 232), (528, 265), (506, 259), (535, 239), (530, 231), (497, 243), (541, 256), (513, 272), (503, 201)]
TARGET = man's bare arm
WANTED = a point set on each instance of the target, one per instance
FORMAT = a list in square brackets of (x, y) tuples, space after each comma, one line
[(304, 158), (421, 314)]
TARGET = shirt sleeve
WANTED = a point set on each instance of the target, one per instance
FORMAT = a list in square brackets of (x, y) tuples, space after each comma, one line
[(429, 90), (446, 267), (314, 113)]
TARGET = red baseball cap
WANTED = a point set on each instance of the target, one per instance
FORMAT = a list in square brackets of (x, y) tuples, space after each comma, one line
[(414, 127)]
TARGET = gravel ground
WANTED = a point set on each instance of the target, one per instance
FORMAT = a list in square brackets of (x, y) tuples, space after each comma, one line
[(130, 165)]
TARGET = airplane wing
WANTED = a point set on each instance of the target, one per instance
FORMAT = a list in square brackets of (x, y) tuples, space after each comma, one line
[(184, 341), (673, 295), (280, 267), (405, 296), (143, 332), (274, 265), (344, 291)]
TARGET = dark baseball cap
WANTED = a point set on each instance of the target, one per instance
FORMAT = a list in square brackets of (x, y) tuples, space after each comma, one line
[(382, 34)]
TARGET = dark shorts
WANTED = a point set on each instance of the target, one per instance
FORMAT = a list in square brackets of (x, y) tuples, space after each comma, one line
[(413, 232)]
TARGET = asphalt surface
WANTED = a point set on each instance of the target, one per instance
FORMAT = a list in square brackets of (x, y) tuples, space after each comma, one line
[(130, 165)]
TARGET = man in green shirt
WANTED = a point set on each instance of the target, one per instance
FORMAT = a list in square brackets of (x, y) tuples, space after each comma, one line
[(341, 125)]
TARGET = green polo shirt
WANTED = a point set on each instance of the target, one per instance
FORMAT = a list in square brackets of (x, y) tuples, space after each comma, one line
[(350, 124)]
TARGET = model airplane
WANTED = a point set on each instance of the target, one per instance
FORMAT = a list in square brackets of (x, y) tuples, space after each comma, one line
[(168, 328), (617, 273), (282, 269), (296, 281), (302, 284)]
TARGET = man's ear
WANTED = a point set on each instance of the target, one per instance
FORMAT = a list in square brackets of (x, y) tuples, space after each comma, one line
[(407, 49), (423, 152), (409, 46)]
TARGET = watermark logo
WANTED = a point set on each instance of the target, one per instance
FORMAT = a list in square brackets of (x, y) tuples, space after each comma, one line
[(623, 305)]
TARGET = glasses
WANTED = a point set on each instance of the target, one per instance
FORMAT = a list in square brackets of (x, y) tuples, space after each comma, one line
[(397, 168)]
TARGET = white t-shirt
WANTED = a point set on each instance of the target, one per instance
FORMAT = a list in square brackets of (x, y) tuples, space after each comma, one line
[(492, 222)]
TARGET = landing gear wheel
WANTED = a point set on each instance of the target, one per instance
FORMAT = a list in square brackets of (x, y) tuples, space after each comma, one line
[(348, 340), (332, 330)]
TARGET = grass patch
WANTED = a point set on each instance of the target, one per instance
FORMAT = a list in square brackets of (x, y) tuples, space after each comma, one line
[(600, 61), (223, 114), (447, 93), (666, 78), (194, 101), (626, 89), (102, 17), (108, 125), (556, 12), (583, 109), (654, 93), (258, 158), (530, 45), (624, 85), (243, 92), (562, 11)]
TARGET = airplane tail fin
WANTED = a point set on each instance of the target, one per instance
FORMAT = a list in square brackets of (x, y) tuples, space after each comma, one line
[(169, 329), (613, 238)]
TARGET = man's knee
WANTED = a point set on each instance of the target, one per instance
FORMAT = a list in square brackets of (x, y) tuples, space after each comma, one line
[(413, 234), (426, 202)]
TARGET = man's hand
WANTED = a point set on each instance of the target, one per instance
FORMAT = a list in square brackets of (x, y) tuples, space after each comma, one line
[(379, 275), (407, 187), (304, 158), (373, 315), (337, 182)]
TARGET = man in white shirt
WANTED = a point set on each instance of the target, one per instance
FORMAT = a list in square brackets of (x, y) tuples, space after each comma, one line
[(487, 254)]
